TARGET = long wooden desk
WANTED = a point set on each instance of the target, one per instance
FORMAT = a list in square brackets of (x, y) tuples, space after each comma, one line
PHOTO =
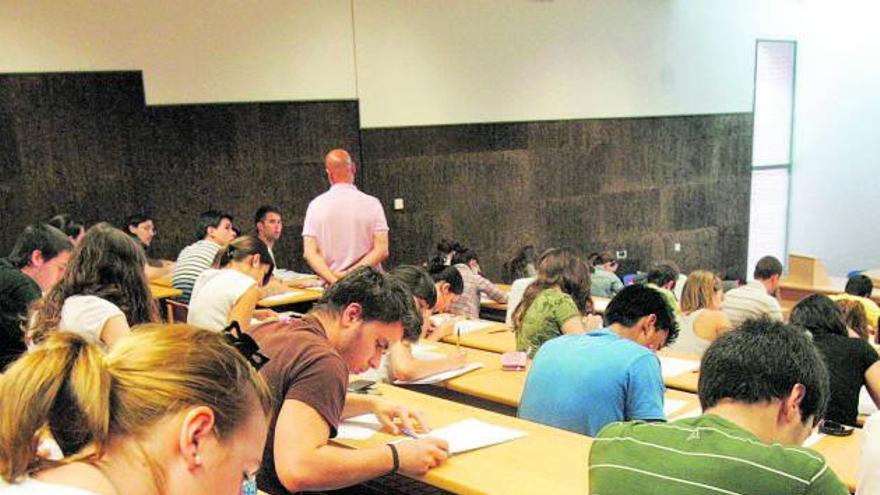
[(496, 338), (294, 296), (547, 460)]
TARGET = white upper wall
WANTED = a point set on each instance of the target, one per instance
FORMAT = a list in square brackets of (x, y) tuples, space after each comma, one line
[(464, 61), (191, 51), (835, 191)]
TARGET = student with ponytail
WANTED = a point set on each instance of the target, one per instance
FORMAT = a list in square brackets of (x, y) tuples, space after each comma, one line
[(103, 292), (230, 291), (140, 420)]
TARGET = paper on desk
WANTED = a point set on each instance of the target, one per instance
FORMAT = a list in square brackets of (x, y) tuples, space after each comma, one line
[(359, 427), (670, 407), (283, 296), (813, 438), (426, 352), (469, 434), (675, 366), (467, 326), (442, 377)]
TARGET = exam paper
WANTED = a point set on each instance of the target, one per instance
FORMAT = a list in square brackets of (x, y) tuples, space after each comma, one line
[(426, 352), (670, 407), (471, 434), (442, 377), (675, 366), (359, 427), (467, 326), (283, 296)]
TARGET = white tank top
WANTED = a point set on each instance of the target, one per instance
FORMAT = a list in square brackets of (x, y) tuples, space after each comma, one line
[(687, 340)]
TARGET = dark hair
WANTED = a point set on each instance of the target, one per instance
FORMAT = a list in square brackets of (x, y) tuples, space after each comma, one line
[(65, 224), (264, 210), (762, 360), (597, 259), (860, 285), (560, 267), (382, 298), (662, 272), (464, 256), (210, 218), (38, 237), (108, 264), (818, 314), (767, 267), (445, 246), (855, 317), (449, 274), (242, 247), (135, 219), (635, 302), (515, 268), (417, 281)]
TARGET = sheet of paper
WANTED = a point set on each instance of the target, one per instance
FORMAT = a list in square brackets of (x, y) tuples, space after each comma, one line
[(467, 326), (283, 296), (672, 406), (470, 434), (359, 427), (812, 439), (693, 413), (675, 366), (442, 377)]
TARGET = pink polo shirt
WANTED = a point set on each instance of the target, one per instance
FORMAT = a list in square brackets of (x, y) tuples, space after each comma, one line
[(343, 221)]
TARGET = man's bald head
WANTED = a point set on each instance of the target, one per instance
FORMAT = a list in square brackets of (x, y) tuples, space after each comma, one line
[(339, 166)]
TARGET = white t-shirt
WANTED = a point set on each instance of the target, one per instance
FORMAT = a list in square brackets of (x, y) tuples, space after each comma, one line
[(86, 316), (30, 486), (213, 296)]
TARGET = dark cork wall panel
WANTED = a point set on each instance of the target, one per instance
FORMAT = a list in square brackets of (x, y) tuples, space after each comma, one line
[(639, 184), (85, 143)]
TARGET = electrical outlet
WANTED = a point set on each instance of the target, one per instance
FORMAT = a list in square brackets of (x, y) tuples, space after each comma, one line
[(398, 203), (677, 247), (621, 254)]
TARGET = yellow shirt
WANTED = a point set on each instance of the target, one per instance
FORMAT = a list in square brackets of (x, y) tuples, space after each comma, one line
[(872, 311)]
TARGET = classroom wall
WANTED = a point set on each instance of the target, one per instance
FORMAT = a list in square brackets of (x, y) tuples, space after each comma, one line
[(834, 196), (85, 144)]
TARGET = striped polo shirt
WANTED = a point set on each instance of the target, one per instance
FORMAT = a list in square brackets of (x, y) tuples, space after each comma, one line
[(191, 262), (702, 455), (750, 301)]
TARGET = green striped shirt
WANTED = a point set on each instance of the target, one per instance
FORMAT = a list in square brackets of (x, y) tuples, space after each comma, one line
[(702, 455)]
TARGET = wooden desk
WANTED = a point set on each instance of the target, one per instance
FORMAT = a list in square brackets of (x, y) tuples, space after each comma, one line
[(161, 292), (842, 454), (547, 460), (497, 338), (295, 296)]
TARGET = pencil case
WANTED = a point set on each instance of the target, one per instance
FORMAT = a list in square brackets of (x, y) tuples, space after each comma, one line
[(514, 361)]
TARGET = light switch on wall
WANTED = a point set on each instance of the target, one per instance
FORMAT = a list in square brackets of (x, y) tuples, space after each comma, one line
[(677, 247), (398, 203)]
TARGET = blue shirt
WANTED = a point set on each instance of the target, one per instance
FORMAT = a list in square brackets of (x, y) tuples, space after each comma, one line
[(583, 382)]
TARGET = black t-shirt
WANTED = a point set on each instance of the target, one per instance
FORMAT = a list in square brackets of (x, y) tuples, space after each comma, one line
[(847, 360), (17, 291)]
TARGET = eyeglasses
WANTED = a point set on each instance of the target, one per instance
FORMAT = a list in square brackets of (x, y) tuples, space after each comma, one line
[(249, 484)]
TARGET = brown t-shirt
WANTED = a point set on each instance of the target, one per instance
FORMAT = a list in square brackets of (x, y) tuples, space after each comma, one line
[(302, 366)]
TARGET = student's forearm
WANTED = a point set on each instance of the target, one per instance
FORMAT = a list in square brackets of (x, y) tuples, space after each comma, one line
[(319, 266), (357, 404), (330, 467), (372, 258)]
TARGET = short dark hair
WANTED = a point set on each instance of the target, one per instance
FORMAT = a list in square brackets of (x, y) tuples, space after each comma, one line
[(860, 285), (451, 276), (464, 256), (635, 302), (65, 224), (767, 267), (264, 210), (818, 314), (43, 237), (382, 298), (662, 272), (597, 259), (762, 360), (134, 220), (210, 218), (417, 281)]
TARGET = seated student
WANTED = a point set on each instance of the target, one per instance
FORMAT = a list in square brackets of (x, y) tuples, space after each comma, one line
[(231, 291), (214, 232), (702, 320), (859, 288), (468, 304), (400, 363), (446, 249), (583, 382), (522, 265), (103, 292), (851, 362), (141, 227), (140, 419), (605, 282), (663, 276), (556, 303), (449, 286), (763, 388), (854, 316), (347, 331), (269, 225), (36, 263), (73, 230), (758, 297)]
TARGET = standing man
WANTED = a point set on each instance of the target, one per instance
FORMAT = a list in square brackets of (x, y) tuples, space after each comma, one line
[(268, 223), (344, 228), (36, 263)]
